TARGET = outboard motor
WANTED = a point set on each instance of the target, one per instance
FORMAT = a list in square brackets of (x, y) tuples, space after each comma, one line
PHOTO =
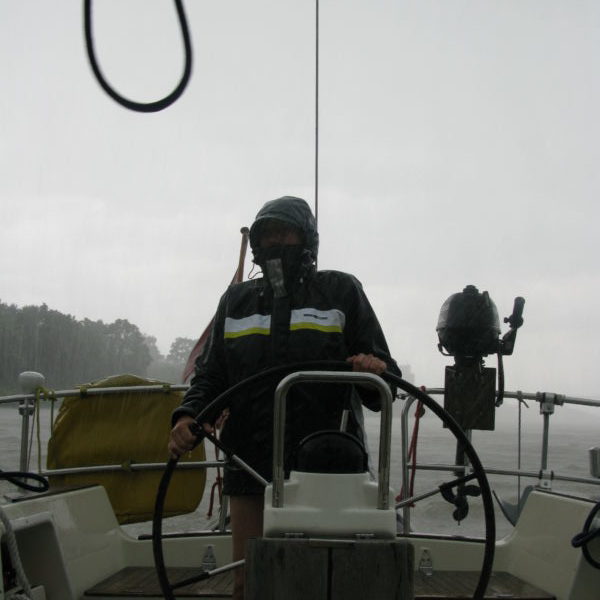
[(468, 325), (469, 329)]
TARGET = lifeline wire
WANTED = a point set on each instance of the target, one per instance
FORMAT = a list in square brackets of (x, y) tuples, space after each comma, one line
[(31, 430), (38, 434), (519, 451)]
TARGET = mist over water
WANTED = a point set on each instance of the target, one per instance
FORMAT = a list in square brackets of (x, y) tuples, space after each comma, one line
[(573, 430)]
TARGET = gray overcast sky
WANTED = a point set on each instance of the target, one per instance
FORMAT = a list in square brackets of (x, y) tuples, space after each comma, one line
[(459, 144)]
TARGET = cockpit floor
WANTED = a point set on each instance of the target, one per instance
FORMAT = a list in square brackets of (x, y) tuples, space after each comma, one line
[(142, 582)]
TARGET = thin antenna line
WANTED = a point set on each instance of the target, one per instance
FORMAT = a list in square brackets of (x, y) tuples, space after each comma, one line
[(317, 111)]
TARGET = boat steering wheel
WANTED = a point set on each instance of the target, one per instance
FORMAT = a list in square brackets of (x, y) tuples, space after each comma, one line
[(221, 401)]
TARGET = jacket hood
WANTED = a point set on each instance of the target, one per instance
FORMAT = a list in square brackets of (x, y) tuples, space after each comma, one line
[(291, 210)]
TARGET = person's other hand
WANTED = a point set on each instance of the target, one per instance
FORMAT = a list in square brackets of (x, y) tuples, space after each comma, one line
[(367, 363), (181, 439)]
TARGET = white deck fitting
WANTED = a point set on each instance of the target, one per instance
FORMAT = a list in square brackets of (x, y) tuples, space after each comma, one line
[(320, 504)]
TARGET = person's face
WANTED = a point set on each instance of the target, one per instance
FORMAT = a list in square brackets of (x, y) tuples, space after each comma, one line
[(278, 234)]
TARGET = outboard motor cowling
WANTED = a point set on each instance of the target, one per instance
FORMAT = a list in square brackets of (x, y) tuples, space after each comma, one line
[(468, 325), (468, 329)]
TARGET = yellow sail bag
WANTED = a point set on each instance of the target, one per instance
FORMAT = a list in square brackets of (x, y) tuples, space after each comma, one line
[(123, 429)]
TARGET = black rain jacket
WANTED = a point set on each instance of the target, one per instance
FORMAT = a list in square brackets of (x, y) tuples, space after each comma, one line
[(325, 316)]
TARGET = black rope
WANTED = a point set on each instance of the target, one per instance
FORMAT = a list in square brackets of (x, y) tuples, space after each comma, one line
[(130, 104), (582, 539), (19, 478)]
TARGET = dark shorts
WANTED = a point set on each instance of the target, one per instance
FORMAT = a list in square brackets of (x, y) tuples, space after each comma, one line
[(237, 482)]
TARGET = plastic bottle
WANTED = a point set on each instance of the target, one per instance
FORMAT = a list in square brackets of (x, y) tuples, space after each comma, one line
[(209, 560)]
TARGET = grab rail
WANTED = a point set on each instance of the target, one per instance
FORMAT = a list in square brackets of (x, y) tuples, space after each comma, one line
[(385, 435)]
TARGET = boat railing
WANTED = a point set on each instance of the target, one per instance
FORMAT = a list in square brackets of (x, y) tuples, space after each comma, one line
[(547, 401), (385, 430), (27, 405), (28, 400)]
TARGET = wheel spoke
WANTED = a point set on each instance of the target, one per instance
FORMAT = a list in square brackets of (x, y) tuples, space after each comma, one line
[(438, 490)]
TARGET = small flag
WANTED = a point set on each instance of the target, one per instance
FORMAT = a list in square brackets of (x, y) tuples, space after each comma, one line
[(238, 277)]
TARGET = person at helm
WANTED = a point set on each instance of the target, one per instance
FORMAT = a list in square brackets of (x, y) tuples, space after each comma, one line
[(293, 313)]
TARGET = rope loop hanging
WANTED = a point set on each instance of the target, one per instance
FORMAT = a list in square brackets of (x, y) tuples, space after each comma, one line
[(125, 102)]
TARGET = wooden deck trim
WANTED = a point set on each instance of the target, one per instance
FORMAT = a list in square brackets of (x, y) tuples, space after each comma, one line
[(141, 582), (460, 585)]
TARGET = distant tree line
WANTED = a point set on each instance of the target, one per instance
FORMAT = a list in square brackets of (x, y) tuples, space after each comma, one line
[(169, 368), (70, 351)]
